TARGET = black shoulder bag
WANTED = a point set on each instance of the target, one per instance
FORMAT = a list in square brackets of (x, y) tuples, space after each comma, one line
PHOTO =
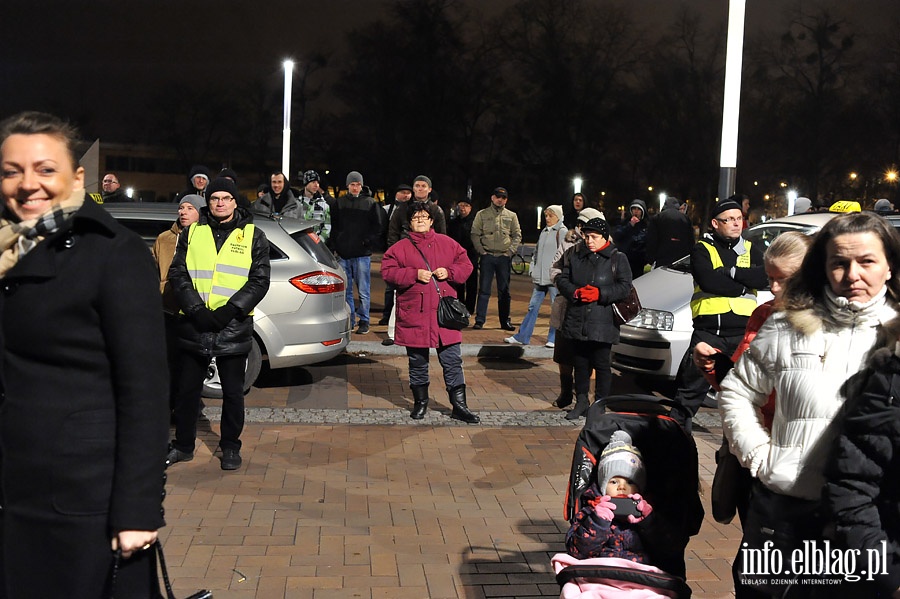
[(451, 313), (625, 309)]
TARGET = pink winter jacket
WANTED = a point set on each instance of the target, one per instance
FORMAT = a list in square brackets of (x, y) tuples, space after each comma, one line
[(417, 302)]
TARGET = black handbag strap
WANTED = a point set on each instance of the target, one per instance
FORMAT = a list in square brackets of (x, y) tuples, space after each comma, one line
[(433, 280)]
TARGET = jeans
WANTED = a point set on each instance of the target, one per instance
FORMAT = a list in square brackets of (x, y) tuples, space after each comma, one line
[(534, 307), (492, 266), (358, 270), (191, 375)]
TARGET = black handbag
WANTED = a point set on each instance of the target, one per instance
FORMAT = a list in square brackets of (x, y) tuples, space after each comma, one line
[(625, 309), (451, 313), (161, 560)]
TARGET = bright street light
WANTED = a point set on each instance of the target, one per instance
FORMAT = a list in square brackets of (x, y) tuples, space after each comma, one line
[(662, 200), (576, 184), (792, 199), (286, 135)]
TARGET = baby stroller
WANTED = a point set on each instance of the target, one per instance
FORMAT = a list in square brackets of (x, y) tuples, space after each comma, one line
[(670, 460)]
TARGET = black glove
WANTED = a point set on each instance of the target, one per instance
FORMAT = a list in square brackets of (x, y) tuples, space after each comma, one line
[(205, 320), (225, 314)]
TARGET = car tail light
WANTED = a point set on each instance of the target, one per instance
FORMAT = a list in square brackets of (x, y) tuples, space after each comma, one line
[(318, 281)]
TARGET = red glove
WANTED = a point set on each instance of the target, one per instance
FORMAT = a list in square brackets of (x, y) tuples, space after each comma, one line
[(643, 507), (587, 294), (603, 507)]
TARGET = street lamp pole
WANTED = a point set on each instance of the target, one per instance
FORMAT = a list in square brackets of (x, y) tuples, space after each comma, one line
[(732, 101), (286, 135)]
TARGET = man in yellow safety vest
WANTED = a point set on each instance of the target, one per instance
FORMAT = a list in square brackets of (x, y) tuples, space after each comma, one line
[(727, 272), (219, 274)]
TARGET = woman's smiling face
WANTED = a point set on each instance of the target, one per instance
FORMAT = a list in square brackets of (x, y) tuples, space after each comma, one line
[(38, 174)]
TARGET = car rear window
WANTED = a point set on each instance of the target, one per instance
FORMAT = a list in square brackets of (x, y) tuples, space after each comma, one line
[(315, 247)]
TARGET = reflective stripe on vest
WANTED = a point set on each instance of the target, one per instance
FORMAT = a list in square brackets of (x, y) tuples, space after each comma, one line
[(707, 304), (230, 265)]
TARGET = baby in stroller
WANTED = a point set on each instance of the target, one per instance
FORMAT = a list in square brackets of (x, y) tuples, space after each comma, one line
[(615, 520), (618, 545)]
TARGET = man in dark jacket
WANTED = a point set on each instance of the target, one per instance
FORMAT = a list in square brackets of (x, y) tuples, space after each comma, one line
[(219, 274), (460, 229), (198, 179), (280, 201), (631, 237), (401, 197), (112, 191), (670, 235), (727, 272), (354, 232)]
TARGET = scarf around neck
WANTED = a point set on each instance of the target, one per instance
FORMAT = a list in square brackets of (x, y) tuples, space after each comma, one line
[(19, 238)]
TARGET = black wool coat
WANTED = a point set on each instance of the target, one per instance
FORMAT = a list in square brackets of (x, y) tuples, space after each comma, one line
[(84, 417), (593, 321)]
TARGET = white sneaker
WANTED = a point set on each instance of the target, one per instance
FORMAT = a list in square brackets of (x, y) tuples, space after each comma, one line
[(513, 341), (550, 344)]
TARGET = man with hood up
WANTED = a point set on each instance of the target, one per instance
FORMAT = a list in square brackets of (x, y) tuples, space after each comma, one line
[(219, 274), (670, 234), (631, 237)]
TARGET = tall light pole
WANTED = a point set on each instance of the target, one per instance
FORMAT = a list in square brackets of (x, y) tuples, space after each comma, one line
[(732, 102), (286, 135)]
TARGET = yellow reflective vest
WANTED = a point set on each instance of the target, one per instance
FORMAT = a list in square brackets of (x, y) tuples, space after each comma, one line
[(708, 304), (219, 275)]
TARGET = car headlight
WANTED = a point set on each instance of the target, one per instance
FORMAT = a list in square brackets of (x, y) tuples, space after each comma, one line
[(659, 320)]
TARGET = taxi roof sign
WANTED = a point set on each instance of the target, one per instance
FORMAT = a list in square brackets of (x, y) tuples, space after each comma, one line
[(845, 206)]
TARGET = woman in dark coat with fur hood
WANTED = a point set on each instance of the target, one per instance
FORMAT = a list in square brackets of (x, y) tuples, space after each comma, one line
[(84, 417), (588, 282)]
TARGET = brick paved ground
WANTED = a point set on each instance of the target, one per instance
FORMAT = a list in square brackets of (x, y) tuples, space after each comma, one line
[(342, 495)]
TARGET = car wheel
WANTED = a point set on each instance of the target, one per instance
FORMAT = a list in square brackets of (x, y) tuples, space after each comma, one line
[(212, 386)]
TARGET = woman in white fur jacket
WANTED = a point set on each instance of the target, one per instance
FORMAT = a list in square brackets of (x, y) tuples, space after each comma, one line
[(811, 355)]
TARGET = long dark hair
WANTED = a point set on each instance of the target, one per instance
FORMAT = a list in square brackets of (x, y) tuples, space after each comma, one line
[(807, 288)]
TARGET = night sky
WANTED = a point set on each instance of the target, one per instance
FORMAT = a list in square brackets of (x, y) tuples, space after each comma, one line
[(95, 61)]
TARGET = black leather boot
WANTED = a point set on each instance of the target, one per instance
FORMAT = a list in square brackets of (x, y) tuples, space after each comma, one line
[(420, 399), (460, 409), (565, 391), (581, 406)]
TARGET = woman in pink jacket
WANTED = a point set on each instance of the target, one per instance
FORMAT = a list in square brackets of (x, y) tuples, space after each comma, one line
[(413, 265)]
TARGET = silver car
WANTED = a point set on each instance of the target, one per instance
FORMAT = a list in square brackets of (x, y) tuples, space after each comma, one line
[(652, 344), (304, 317)]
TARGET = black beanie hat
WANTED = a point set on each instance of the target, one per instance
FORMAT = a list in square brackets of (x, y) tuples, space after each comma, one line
[(596, 224), (732, 203), (221, 184)]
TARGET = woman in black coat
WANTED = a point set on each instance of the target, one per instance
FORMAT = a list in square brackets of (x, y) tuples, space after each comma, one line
[(862, 494), (588, 282), (84, 417)]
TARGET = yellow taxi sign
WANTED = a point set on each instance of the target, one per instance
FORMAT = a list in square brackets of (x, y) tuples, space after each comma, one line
[(845, 206)]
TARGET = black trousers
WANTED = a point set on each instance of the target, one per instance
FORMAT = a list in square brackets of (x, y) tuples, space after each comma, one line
[(692, 387), (593, 356), (187, 401)]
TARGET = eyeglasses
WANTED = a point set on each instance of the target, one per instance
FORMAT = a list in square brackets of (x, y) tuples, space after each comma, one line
[(731, 220), (421, 218), (227, 200), (502, 196)]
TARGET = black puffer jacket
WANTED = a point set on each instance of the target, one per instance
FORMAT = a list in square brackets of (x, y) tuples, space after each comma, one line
[(863, 490), (235, 338), (593, 321)]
